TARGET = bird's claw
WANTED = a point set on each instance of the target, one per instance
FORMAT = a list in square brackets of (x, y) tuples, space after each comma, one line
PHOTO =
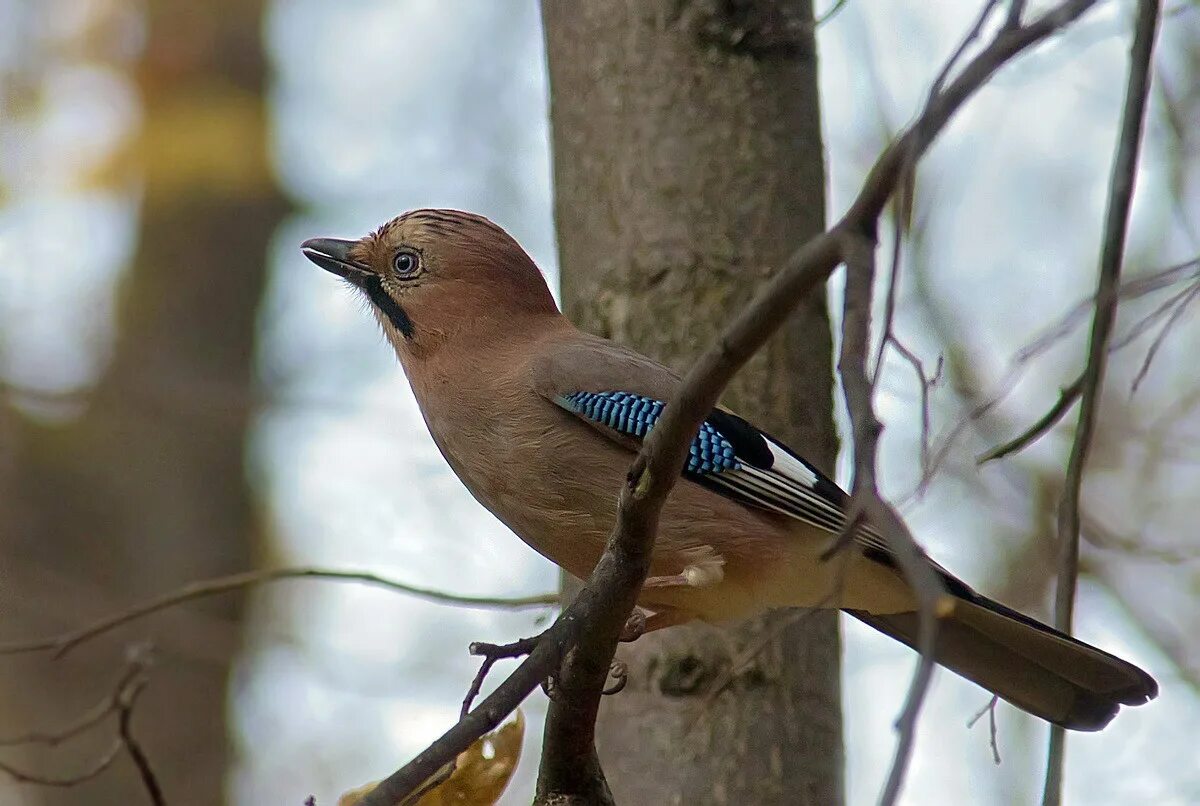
[(619, 672), (635, 627)]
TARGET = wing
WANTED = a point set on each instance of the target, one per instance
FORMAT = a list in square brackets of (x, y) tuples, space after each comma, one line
[(728, 455)]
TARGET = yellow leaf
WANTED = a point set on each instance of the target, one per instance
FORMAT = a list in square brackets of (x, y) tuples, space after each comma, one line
[(481, 775)]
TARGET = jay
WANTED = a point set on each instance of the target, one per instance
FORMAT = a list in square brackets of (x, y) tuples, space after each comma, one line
[(540, 421)]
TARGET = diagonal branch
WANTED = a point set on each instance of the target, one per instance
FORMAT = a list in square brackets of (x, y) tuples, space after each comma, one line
[(1116, 226), (1066, 398)]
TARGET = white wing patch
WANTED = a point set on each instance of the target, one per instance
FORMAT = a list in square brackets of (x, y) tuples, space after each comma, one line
[(789, 487), (791, 467)]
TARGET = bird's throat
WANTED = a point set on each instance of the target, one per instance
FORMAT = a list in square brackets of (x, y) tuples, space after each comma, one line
[(388, 306)]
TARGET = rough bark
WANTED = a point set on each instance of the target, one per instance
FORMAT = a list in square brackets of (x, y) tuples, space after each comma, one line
[(146, 489), (688, 164)]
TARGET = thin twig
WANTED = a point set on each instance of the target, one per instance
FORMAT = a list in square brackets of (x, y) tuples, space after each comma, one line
[(103, 763), (830, 14), (1116, 226), (973, 34), (90, 718), (485, 717), (1129, 290), (906, 183), (1175, 316), (1149, 320), (65, 642), (927, 588), (889, 299), (125, 703), (490, 654), (990, 710), (1066, 398), (926, 382), (120, 701)]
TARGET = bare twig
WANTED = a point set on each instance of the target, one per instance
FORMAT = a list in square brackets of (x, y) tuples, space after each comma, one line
[(1066, 398), (830, 14), (103, 763), (990, 710), (483, 718), (120, 701), (125, 703), (906, 183), (1135, 288), (90, 718), (926, 382), (972, 36), (1175, 316), (65, 642), (490, 654), (1116, 225), (859, 251), (889, 300), (1149, 320)]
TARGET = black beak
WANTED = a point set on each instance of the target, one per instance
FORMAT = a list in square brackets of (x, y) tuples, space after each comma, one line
[(333, 255)]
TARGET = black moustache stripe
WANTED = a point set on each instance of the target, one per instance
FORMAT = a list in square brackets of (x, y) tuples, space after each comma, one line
[(391, 309)]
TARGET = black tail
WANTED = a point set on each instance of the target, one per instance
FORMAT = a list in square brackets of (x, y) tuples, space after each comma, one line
[(1033, 666)]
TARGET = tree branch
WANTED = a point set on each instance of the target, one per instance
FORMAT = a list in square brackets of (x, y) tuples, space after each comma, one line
[(65, 642), (121, 701), (125, 702), (1066, 398), (1116, 226), (859, 251), (1138, 287)]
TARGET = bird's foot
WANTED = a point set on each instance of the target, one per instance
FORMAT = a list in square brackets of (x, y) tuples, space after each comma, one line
[(619, 673), (635, 626)]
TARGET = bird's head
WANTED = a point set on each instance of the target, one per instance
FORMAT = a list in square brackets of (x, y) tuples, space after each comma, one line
[(431, 274)]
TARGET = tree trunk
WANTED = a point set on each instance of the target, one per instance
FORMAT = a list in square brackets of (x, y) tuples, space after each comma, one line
[(688, 165), (146, 489)]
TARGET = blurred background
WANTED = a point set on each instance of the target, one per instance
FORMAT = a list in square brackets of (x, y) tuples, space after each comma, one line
[(183, 395)]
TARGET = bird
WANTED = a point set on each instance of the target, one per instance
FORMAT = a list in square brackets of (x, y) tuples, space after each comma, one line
[(541, 420)]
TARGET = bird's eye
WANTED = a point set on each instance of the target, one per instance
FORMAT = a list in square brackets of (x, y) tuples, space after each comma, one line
[(405, 264)]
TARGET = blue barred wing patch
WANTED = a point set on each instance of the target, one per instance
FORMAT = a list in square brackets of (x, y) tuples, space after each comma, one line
[(728, 455), (732, 457), (634, 416)]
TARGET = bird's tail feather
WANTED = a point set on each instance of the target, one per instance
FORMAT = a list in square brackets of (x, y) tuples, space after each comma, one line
[(1029, 664)]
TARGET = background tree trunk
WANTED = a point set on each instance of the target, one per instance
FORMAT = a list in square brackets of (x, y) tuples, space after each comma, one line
[(688, 164), (146, 490)]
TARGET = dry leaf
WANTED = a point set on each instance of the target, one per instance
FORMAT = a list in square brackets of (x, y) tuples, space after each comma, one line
[(480, 777)]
